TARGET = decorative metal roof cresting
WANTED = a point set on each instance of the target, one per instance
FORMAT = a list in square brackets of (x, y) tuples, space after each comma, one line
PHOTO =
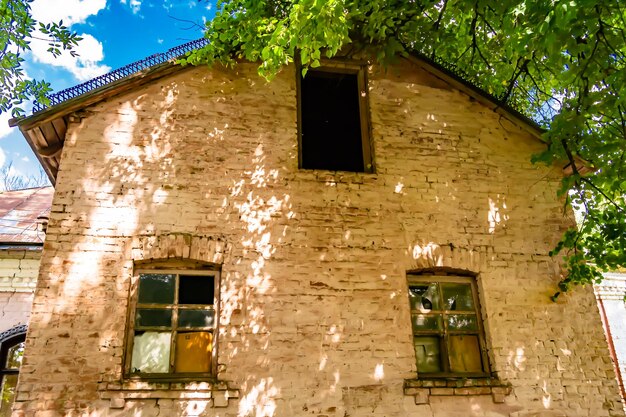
[(118, 74)]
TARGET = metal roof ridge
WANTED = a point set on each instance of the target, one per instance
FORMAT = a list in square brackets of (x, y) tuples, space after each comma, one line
[(117, 74)]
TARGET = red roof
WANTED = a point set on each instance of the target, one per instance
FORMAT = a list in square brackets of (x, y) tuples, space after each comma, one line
[(21, 213)]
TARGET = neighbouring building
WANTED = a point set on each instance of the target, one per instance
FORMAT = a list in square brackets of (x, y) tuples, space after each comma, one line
[(611, 295), (360, 242), (23, 219)]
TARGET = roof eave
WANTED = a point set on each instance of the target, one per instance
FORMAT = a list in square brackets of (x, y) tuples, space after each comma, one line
[(47, 147), (45, 130), (479, 95)]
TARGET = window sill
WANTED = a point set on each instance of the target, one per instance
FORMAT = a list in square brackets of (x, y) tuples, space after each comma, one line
[(422, 389), (217, 393), (336, 177)]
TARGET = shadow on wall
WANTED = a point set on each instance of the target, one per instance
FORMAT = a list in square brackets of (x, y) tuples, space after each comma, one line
[(147, 175)]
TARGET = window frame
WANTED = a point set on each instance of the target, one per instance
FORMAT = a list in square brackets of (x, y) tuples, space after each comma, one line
[(14, 337), (131, 317), (414, 279), (341, 67)]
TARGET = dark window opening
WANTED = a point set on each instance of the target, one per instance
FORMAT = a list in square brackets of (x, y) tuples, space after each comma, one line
[(332, 136), (194, 289)]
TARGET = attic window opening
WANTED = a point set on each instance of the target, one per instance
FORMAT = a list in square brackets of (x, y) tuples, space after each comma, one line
[(334, 127)]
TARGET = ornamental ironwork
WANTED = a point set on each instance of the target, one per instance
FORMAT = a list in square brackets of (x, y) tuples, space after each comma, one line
[(13, 331), (118, 74)]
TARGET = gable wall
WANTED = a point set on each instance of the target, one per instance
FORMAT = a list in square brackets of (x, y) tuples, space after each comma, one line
[(315, 317)]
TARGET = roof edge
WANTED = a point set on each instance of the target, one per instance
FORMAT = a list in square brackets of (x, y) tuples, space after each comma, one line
[(96, 95), (479, 94)]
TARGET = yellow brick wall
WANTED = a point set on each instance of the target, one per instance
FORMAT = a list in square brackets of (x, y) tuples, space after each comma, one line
[(18, 277), (19, 270), (314, 316)]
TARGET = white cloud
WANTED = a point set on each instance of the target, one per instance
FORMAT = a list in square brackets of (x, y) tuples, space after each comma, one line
[(135, 5), (4, 126), (3, 157), (160, 41), (70, 11), (25, 159), (87, 64), (83, 67)]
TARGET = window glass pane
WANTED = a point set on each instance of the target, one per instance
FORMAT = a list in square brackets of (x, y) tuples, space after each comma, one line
[(153, 317), (9, 383), (424, 322), (464, 354), (427, 354), (194, 289), (156, 288), (151, 352), (14, 356), (193, 352), (195, 318), (462, 322), (424, 297), (457, 296)]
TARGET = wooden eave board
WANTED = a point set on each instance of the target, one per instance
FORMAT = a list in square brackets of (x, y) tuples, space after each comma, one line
[(32, 137)]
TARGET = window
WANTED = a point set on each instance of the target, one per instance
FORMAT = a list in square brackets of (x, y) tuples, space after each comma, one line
[(173, 322), (333, 122), (11, 353), (447, 328)]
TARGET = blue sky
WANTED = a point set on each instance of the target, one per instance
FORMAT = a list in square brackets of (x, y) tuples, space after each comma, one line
[(115, 32)]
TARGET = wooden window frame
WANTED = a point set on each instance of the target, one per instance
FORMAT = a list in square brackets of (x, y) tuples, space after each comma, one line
[(423, 278), (131, 326), (5, 346), (342, 67)]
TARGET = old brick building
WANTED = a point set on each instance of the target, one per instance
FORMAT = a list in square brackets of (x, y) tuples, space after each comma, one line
[(23, 216), (365, 242)]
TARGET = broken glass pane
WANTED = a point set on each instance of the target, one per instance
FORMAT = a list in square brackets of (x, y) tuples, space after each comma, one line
[(151, 352), (193, 352), (195, 289), (156, 288), (424, 297), (465, 354), (457, 296), (8, 394), (14, 356), (195, 318), (462, 322), (426, 322), (427, 354), (153, 317)]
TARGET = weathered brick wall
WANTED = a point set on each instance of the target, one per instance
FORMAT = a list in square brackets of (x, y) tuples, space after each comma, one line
[(14, 309), (314, 316), (18, 277)]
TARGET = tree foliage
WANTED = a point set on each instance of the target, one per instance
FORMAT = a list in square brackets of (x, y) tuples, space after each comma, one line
[(17, 30), (560, 62)]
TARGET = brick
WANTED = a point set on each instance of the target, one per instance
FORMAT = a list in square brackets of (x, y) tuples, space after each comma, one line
[(315, 314), (442, 391)]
